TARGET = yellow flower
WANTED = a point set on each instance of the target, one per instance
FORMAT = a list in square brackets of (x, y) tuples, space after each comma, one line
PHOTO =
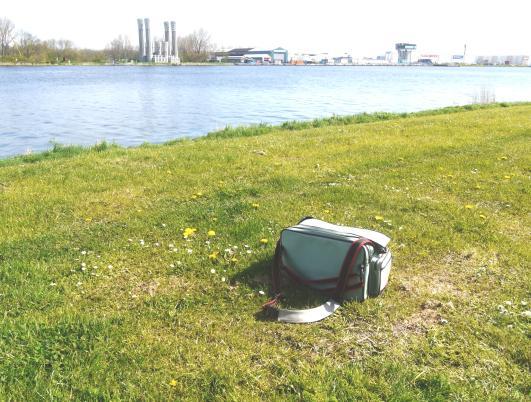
[(213, 256), (189, 232), (477, 187), (469, 206), (211, 233), (255, 205), (326, 211), (503, 158), (506, 177), (233, 259), (194, 197), (482, 216), (173, 383), (379, 218), (88, 219), (263, 241), (199, 194)]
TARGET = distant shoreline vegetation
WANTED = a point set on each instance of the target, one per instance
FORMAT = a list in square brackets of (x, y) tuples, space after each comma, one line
[(61, 151)]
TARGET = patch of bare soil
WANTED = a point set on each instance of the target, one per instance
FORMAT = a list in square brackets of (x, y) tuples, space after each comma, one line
[(417, 324)]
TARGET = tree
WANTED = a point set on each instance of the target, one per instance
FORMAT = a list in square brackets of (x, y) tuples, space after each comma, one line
[(27, 45), (7, 35), (120, 48), (195, 47)]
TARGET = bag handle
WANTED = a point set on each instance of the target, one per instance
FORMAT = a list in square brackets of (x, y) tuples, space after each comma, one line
[(326, 309)]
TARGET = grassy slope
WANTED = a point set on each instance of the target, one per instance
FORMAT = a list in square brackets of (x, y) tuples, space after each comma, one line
[(453, 190)]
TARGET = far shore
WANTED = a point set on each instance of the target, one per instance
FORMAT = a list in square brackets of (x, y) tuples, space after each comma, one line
[(3, 64)]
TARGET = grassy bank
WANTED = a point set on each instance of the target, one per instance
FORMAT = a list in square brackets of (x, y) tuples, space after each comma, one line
[(102, 297)]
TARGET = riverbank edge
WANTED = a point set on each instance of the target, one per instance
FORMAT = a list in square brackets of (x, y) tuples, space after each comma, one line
[(59, 151)]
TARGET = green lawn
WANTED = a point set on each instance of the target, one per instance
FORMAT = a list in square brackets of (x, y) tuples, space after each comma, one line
[(102, 298)]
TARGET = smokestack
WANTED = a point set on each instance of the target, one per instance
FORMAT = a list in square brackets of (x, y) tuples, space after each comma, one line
[(141, 49), (149, 50), (167, 32), (174, 49)]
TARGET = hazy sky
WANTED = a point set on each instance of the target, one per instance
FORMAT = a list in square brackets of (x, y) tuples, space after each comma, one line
[(363, 28)]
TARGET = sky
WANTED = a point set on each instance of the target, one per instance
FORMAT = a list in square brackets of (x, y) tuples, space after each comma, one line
[(359, 27)]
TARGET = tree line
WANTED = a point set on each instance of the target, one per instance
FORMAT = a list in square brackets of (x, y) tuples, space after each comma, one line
[(23, 47)]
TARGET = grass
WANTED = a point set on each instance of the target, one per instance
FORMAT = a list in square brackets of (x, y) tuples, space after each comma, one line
[(101, 298)]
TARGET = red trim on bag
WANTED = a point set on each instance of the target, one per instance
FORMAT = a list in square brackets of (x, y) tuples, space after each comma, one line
[(348, 264)]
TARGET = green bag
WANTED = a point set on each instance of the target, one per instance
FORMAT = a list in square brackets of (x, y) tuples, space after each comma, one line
[(345, 262)]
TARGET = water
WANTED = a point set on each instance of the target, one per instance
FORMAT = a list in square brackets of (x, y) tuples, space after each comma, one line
[(132, 105)]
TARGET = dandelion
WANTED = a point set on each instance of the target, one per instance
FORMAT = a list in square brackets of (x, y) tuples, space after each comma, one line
[(211, 233), (263, 241), (213, 256), (256, 205), (506, 177), (469, 206), (199, 194), (88, 219), (173, 383), (326, 211), (379, 218), (189, 232)]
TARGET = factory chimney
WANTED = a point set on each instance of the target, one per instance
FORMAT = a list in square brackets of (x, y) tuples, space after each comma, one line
[(141, 49), (167, 34), (174, 49), (149, 50)]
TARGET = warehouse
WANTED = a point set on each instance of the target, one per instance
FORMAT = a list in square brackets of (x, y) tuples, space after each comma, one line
[(251, 55)]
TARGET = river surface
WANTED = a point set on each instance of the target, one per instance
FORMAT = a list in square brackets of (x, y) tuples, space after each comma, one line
[(132, 105)]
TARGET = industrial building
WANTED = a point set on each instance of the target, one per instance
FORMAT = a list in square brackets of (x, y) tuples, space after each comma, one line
[(404, 52), (157, 51), (250, 55), (512, 60), (429, 59)]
